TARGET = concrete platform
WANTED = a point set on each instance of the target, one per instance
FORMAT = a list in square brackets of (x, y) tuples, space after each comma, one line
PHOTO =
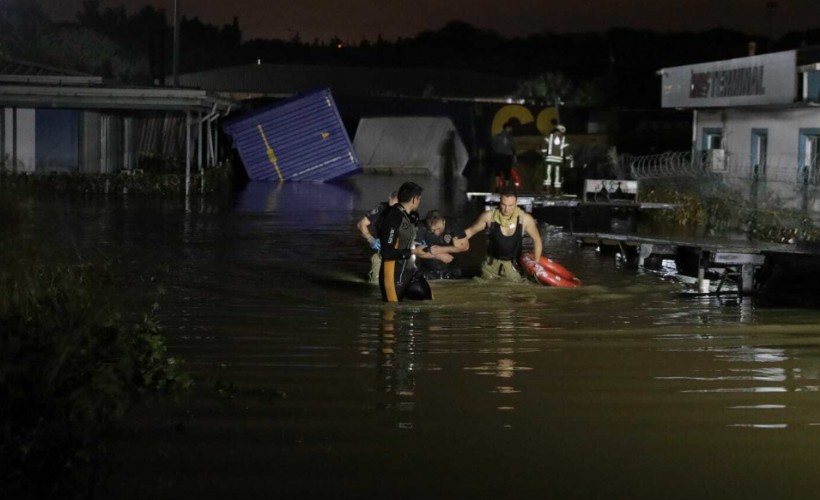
[(741, 260)]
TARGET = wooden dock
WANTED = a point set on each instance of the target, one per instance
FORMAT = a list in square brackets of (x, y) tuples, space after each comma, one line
[(531, 201), (737, 260), (781, 272)]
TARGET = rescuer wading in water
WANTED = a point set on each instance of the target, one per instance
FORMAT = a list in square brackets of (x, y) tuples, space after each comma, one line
[(398, 277)]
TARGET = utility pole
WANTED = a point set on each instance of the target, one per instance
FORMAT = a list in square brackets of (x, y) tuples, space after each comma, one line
[(176, 43), (771, 8)]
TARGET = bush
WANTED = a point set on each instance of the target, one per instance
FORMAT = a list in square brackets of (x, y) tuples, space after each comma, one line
[(214, 180), (69, 368)]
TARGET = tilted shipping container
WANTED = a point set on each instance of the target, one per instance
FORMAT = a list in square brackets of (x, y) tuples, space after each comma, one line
[(299, 139)]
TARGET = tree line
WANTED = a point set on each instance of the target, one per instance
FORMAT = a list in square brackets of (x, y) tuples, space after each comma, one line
[(616, 67)]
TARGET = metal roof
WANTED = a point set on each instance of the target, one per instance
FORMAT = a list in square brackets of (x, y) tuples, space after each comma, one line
[(279, 80), (15, 71), (79, 97), (32, 85)]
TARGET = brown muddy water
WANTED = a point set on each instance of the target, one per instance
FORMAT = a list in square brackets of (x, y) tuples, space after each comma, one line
[(308, 386)]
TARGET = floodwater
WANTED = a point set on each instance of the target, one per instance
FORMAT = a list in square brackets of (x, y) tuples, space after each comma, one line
[(308, 386)]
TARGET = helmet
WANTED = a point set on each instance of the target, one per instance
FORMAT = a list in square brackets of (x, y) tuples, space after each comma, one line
[(561, 129)]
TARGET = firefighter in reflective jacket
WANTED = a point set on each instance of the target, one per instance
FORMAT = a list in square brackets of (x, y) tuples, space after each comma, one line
[(554, 158)]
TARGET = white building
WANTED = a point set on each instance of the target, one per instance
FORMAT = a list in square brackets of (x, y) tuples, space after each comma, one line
[(52, 120), (756, 120)]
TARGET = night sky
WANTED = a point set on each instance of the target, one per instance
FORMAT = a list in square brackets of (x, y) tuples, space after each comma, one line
[(353, 20)]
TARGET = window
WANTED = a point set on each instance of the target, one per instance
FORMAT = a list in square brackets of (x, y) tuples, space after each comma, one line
[(760, 147), (57, 144), (808, 154), (712, 138)]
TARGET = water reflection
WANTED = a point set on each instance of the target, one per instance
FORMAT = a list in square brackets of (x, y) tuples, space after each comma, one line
[(560, 386), (397, 353), (742, 375), (331, 203)]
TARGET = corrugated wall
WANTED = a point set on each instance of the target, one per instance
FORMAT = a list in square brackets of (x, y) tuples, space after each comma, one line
[(162, 135), (300, 139)]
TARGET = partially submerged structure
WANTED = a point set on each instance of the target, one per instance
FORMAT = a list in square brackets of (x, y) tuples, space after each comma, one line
[(251, 81), (756, 126), (298, 139), (426, 145), (468, 98), (477, 104), (52, 120)]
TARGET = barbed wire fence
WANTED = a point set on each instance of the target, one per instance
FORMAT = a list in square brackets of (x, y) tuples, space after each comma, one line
[(778, 201)]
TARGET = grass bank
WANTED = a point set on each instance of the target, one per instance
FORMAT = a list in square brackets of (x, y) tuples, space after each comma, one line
[(71, 365)]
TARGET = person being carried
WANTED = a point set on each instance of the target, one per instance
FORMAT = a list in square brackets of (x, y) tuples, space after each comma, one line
[(398, 277), (505, 226), (440, 237), (368, 226)]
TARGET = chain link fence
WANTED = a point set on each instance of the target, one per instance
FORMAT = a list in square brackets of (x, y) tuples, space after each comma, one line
[(776, 202)]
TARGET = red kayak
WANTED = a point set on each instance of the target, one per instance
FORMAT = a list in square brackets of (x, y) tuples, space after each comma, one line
[(548, 272)]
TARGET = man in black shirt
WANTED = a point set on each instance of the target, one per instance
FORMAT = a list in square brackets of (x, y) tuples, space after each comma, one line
[(442, 237), (399, 278), (506, 227)]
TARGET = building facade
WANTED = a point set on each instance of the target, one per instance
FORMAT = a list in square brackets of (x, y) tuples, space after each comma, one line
[(756, 122), (57, 121)]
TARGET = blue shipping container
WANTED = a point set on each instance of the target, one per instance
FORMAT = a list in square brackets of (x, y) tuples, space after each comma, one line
[(299, 139)]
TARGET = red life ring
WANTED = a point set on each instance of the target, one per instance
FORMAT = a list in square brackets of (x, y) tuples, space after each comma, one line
[(563, 272), (548, 272)]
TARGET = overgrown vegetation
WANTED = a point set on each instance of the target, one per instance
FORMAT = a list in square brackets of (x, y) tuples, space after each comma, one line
[(213, 180), (70, 367), (556, 87), (722, 212)]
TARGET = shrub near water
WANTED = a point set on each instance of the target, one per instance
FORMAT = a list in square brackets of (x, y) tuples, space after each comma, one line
[(214, 180), (68, 371)]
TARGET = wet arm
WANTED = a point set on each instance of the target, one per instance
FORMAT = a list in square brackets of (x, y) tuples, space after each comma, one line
[(459, 245), (531, 229), (479, 225), (364, 228), (423, 252)]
